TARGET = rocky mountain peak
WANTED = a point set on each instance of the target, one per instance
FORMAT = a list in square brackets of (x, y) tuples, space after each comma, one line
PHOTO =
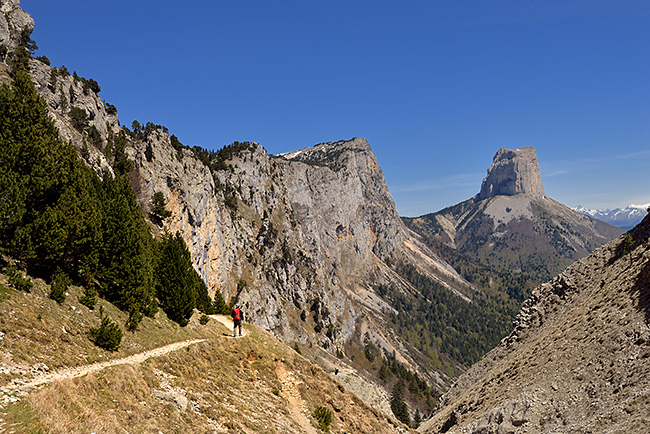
[(513, 172)]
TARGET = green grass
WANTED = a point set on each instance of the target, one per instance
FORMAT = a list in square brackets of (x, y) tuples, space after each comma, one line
[(20, 417)]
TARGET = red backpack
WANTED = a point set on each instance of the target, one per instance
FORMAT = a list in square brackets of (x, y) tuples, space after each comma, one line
[(236, 314)]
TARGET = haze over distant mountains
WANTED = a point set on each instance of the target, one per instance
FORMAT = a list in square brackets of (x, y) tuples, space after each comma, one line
[(625, 218)]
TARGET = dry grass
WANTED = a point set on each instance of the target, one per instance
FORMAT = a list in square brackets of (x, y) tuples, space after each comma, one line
[(222, 385)]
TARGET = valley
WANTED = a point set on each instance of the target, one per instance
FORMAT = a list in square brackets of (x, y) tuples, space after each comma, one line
[(123, 250)]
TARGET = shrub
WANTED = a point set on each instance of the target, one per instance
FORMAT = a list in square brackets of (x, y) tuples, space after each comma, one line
[(111, 109), (79, 118), (43, 59), (90, 84), (324, 418), (159, 212), (94, 136), (59, 286), (89, 299), (108, 335), (17, 280), (203, 320), (297, 348)]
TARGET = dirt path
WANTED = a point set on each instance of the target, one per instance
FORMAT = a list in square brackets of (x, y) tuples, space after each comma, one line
[(78, 371), (291, 392), (27, 384), (227, 321)]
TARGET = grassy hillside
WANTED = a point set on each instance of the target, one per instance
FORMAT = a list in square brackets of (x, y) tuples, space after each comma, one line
[(250, 384)]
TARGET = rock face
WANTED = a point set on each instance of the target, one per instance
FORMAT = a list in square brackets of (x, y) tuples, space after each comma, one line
[(511, 224), (577, 360), (513, 172), (309, 242), (15, 21), (330, 220)]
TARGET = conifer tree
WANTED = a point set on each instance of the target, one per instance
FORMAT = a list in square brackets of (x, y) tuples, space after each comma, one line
[(397, 404), (48, 213), (127, 256), (175, 281)]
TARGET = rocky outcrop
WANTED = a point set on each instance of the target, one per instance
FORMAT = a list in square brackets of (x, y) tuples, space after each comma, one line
[(513, 172), (577, 359), (11, 27)]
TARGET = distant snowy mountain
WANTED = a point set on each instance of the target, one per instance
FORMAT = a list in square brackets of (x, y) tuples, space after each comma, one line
[(625, 218)]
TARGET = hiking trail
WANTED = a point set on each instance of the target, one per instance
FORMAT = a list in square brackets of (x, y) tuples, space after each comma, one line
[(228, 322), (27, 384)]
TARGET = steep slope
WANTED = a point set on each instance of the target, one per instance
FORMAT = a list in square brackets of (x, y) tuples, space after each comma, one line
[(194, 379), (577, 360), (512, 225)]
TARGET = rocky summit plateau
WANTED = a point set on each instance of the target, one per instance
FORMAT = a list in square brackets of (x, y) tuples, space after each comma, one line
[(513, 172)]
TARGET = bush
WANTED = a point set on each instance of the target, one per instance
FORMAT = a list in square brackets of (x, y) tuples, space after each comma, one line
[(324, 418), (111, 109), (89, 299), (203, 320), (159, 212), (43, 59), (79, 118), (59, 286), (17, 280), (108, 336)]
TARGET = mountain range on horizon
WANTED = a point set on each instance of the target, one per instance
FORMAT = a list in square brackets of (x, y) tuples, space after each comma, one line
[(624, 218)]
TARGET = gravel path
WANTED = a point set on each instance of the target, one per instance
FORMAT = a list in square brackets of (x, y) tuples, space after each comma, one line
[(27, 385)]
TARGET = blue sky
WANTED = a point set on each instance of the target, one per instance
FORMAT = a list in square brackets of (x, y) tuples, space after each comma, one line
[(436, 87)]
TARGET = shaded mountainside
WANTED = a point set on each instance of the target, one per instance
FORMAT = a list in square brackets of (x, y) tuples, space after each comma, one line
[(577, 360), (512, 225)]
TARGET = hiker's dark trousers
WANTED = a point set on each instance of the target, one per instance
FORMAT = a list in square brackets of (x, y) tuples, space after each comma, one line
[(234, 329)]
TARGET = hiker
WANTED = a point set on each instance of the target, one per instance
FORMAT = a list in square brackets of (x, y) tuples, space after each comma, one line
[(237, 317)]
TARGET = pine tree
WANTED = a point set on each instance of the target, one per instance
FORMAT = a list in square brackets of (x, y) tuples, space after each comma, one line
[(397, 404), (60, 283), (48, 214), (175, 280), (108, 335), (127, 255)]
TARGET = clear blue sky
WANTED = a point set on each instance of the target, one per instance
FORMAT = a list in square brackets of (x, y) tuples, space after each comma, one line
[(436, 87)]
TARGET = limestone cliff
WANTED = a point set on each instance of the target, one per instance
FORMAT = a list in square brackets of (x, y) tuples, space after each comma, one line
[(513, 172), (309, 242), (12, 26), (301, 240)]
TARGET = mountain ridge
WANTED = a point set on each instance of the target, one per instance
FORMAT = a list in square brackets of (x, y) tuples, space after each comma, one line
[(309, 242), (624, 218), (314, 250)]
